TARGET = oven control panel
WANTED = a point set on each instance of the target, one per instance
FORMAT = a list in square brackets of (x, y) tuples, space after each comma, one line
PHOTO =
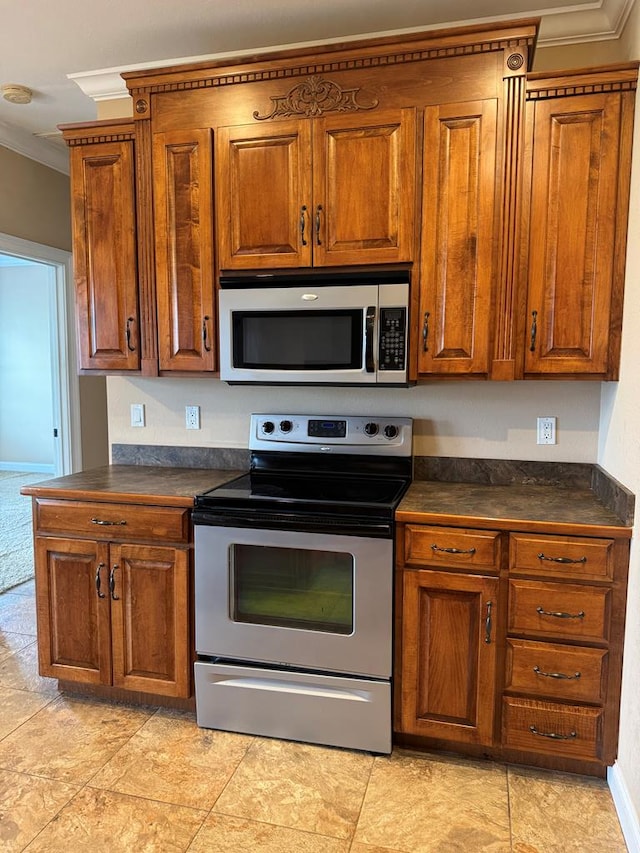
[(330, 433)]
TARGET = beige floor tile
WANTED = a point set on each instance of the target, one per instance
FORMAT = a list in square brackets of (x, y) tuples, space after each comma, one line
[(70, 739), (420, 804), (359, 847), (224, 834), (104, 822), (10, 643), (172, 760), (559, 812), (310, 788), (27, 804), (20, 671), (18, 706), (17, 614)]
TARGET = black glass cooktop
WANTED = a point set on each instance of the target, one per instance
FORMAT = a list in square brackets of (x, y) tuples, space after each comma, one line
[(291, 489)]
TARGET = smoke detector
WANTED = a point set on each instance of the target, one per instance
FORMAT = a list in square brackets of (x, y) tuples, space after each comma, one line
[(16, 94)]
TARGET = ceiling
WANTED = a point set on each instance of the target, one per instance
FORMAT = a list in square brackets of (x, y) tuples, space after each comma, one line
[(43, 42)]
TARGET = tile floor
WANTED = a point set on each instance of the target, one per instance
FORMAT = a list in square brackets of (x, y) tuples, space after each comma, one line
[(78, 774)]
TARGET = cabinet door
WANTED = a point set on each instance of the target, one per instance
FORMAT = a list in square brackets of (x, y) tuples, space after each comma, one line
[(449, 656), (364, 175), (150, 623), (458, 227), (104, 250), (263, 195), (573, 196), (74, 641), (183, 203)]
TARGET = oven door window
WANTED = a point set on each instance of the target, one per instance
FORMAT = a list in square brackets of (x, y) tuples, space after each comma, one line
[(292, 588), (298, 340)]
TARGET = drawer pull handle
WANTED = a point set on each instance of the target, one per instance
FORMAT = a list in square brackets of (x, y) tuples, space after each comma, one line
[(108, 523), (538, 671), (559, 614), (98, 581), (552, 735), (453, 550), (534, 331), (487, 624), (542, 556), (112, 583)]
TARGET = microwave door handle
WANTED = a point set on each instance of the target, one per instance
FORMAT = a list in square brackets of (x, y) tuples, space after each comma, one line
[(368, 337)]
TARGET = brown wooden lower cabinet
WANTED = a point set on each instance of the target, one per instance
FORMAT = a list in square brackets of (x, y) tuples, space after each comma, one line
[(449, 655), (519, 660), (113, 612)]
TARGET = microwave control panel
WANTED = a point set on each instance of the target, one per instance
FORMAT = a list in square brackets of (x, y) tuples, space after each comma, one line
[(393, 335)]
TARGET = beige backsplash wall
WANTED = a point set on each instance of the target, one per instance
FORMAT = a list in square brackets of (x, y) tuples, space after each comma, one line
[(492, 420)]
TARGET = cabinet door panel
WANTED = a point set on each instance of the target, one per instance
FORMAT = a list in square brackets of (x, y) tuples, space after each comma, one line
[(183, 200), (364, 188), (448, 667), (572, 233), (104, 248), (149, 613), (74, 641), (263, 195), (459, 183)]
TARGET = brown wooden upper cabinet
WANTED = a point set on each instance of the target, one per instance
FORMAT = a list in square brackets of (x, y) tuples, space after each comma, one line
[(335, 190), (458, 237), (183, 229), (104, 245), (577, 163)]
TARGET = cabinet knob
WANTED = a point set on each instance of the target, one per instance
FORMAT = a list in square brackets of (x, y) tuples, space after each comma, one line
[(303, 223), (534, 331), (318, 212)]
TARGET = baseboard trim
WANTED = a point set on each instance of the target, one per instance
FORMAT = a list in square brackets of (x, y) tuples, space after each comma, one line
[(27, 467), (626, 812)]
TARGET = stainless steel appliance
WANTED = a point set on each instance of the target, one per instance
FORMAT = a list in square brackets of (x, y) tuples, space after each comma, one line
[(294, 582), (342, 328)]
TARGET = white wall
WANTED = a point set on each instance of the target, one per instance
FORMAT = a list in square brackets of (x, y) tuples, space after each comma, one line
[(490, 420), (619, 453), (26, 408)]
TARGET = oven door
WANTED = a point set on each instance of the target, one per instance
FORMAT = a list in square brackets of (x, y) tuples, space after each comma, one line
[(312, 601)]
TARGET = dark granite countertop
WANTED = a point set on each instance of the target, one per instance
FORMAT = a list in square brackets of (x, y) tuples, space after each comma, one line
[(525, 507), (140, 484)]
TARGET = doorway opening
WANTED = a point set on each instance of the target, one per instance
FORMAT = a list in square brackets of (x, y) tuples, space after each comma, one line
[(40, 412)]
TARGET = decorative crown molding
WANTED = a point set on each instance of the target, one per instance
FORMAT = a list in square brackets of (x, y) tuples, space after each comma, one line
[(38, 149), (598, 20)]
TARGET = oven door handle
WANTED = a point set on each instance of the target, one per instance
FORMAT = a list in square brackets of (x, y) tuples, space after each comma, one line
[(272, 684), (370, 321)]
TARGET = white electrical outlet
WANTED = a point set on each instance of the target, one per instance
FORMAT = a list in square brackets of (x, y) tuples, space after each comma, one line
[(192, 415), (546, 430), (137, 414)]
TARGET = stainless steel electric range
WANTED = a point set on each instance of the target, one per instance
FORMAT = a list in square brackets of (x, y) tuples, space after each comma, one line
[(294, 582)]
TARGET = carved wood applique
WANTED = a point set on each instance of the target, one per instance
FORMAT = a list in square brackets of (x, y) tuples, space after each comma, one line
[(313, 97)]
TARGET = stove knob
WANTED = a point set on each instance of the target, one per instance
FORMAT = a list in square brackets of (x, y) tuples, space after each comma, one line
[(391, 431), (286, 426), (371, 428), (268, 427)]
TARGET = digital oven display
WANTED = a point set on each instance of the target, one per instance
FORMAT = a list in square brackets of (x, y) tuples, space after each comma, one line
[(327, 429)]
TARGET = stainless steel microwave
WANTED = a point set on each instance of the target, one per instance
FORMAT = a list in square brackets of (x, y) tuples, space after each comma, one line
[(315, 330)]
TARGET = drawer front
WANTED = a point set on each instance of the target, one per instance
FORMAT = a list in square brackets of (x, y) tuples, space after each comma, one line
[(112, 521), (561, 556), (571, 731), (451, 546), (558, 671), (559, 610)]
